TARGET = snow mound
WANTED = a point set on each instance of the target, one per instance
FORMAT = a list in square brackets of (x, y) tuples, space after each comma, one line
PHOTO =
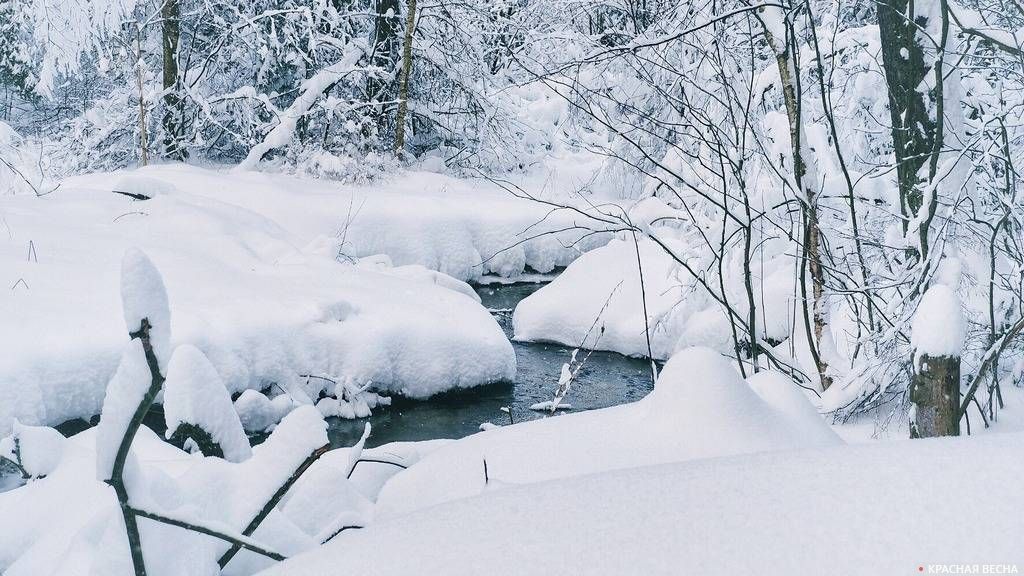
[(748, 514), (143, 297), (700, 408), (602, 289), (603, 286), (781, 393), (194, 394), (243, 291), (37, 449), (259, 413)]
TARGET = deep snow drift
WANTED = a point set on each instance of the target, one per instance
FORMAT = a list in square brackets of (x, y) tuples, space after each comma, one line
[(864, 510), (252, 283)]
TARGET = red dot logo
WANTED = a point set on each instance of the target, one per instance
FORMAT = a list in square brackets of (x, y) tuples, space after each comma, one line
[(920, 568)]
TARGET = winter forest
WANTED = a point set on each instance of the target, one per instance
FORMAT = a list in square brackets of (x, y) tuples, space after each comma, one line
[(511, 287)]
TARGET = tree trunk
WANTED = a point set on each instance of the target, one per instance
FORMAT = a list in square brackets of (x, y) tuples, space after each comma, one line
[(803, 175), (403, 87), (172, 120), (143, 136), (380, 87), (913, 128), (935, 392)]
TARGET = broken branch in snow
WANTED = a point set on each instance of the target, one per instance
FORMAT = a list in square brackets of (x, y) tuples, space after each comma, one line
[(273, 502), (240, 541), (133, 195), (375, 461), (339, 531)]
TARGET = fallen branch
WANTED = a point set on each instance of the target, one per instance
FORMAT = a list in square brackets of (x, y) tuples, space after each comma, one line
[(273, 502), (239, 541), (132, 195)]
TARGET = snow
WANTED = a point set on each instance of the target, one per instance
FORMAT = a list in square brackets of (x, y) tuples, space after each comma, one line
[(37, 449), (124, 394), (700, 408), (603, 287), (143, 186), (874, 509), (939, 326), (143, 297), (550, 406), (245, 290), (599, 298), (785, 396), (258, 413), (194, 394), (69, 523)]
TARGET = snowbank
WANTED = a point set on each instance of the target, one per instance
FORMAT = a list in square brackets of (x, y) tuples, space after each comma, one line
[(603, 286), (241, 287), (700, 408), (463, 227), (602, 290), (864, 510)]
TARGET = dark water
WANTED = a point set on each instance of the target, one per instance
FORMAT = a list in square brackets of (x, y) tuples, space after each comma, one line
[(607, 379)]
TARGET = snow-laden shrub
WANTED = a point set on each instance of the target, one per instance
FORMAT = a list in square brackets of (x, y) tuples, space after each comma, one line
[(151, 507)]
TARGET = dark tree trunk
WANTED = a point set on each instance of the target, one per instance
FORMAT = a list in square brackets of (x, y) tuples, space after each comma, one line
[(913, 129), (935, 392), (381, 86), (172, 120)]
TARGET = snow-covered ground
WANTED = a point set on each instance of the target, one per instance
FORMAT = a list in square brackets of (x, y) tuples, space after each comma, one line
[(707, 475), (68, 523), (700, 408), (883, 509), (252, 266)]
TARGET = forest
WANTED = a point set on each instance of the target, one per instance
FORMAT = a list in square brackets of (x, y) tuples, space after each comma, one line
[(511, 287)]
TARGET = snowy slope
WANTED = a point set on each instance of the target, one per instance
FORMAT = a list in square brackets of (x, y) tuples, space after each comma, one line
[(882, 509), (700, 408), (242, 288)]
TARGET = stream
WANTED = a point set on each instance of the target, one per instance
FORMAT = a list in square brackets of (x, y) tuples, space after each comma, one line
[(607, 379)]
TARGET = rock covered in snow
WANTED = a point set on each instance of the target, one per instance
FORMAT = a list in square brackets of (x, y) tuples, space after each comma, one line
[(259, 413), (194, 394), (37, 449)]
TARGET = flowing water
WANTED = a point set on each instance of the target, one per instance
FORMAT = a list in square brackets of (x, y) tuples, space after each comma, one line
[(607, 379)]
